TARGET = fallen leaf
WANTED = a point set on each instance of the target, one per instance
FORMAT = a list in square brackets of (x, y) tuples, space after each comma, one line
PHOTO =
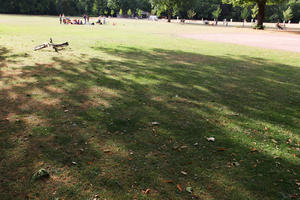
[(155, 131), (40, 174), (155, 123), (179, 188), (211, 139), (146, 191), (183, 172), (169, 181), (253, 150), (189, 189), (274, 141), (89, 163), (183, 147), (221, 149)]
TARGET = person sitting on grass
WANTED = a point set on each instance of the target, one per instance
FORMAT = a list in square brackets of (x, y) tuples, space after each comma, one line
[(99, 21)]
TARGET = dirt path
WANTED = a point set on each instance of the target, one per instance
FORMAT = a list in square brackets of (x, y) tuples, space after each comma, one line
[(269, 40)]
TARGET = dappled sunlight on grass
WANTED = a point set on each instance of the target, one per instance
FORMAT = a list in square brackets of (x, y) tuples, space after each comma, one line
[(88, 119)]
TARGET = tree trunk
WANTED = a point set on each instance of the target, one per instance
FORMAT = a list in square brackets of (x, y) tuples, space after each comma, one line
[(261, 13), (169, 14)]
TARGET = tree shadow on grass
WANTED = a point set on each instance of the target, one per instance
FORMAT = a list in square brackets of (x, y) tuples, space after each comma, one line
[(98, 113)]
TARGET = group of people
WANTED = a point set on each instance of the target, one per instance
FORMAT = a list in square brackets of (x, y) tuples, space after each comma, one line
[(85, 20)]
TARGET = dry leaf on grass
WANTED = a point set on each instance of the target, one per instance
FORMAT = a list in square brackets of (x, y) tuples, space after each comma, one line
[(179, 188), (146, 191), (155, 131), (167, 181)]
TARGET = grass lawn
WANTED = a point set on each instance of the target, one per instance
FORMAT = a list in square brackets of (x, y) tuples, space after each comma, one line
[(85, 114)]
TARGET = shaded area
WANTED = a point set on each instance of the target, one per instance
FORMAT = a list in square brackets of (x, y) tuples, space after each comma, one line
[(98, 113)]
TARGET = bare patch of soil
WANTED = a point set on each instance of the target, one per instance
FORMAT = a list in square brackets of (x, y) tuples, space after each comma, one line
[(268, 39)]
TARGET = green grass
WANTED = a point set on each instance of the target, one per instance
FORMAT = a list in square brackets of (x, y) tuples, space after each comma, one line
[(93, 104)]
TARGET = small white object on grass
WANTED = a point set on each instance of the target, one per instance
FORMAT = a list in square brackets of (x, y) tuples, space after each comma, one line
[(183, 172), (189, 189), (211, 139)]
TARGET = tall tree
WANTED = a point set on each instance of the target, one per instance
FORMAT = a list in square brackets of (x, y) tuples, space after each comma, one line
[(245, 14), (216, 13), (288, 14), (167, 5), (261, 4), (191, 14)]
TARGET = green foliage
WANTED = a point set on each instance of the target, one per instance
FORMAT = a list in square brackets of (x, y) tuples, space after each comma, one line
[(191, 14), (216, 13), (254, 11), (95, 9), (203, 8), (245, 13), (139, 12), (261, 4), (166, 6), (129, 13), (287, 14), (112, 12), (259, 27), (251, 2), (121, 12)]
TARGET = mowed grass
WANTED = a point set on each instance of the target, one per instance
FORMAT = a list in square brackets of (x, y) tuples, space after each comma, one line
[(85, 114)]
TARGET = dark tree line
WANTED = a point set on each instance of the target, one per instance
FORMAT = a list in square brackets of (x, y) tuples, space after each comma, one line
[(196, 9)]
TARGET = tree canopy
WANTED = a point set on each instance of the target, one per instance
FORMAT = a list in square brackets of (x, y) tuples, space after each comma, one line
[(264, 10), (261, 4)]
